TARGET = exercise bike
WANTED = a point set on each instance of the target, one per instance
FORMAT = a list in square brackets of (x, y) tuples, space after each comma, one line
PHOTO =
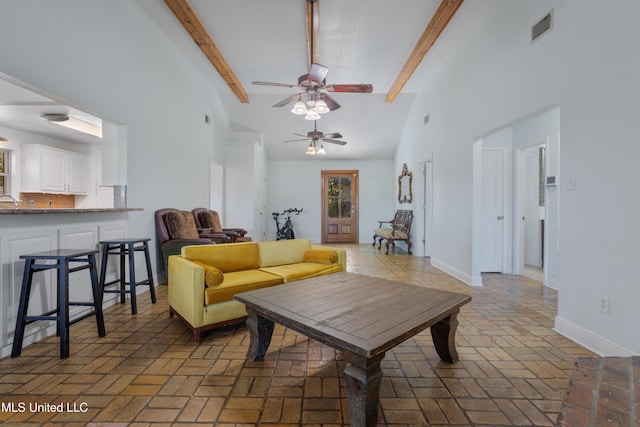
[(286, 232)]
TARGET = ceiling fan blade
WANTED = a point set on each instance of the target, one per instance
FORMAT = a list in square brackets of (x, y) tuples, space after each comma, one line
[(296, 140), (317, 73), (331, 103), (287, 100), (273, 84), (332, 135), (299, 134), (335, 141), (361, 88)]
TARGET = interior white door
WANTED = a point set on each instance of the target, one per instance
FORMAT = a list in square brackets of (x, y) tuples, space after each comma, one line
[(492, 210)]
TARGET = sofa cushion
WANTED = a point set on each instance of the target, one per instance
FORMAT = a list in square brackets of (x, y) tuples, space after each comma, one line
[(281, 252), (181, 225), (210, 219), (302, 270), (390, 234), (212, 275), (226, 258), (321, 256), (240, 281)]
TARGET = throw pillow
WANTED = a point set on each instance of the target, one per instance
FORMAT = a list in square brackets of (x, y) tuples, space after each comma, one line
[(181, 225), (210, 219), (212, 276), (321, 256)]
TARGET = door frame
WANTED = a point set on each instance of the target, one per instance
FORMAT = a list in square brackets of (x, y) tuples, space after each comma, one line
[(355, 202), (425, 199)]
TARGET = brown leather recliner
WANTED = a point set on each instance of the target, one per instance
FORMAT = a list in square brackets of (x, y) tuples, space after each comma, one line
[(175, 229), (208, 219)]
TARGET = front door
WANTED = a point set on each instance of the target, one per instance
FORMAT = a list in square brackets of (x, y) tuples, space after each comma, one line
[(340, 206)]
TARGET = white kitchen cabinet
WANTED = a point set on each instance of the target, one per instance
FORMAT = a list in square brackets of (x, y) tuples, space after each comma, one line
[(52, 170)]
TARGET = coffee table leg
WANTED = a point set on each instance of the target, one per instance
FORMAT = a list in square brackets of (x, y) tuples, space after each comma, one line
[(444, 337), (260, 331), (363, 377)]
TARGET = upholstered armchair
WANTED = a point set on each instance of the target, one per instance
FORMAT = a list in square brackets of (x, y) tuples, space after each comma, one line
[(175, 229), (206, 218)]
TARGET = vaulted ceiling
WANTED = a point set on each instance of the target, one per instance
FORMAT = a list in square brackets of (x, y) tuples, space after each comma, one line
[(378, 42)]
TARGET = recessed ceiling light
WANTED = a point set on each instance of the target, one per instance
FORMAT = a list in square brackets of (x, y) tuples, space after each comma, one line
[(74, 123), (55, 117)]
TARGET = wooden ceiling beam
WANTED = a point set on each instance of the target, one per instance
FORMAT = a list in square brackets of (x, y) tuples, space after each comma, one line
[(438, 22), (198, 33), (313, 9)]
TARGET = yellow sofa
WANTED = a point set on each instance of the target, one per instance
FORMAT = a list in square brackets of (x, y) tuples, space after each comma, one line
[(203, 279)]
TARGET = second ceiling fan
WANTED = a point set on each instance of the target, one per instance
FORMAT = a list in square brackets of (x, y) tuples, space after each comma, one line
[(316, 139), (315, 136)]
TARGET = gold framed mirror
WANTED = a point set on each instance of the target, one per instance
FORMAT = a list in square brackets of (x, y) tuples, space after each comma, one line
[(405, 194)]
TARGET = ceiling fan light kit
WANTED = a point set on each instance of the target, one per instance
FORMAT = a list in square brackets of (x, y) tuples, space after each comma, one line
[(321, 106), (312, 114), (314, 149), (299, 108)]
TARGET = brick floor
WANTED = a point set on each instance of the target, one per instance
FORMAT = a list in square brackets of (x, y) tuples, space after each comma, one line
[(603, 392), (513, 369)]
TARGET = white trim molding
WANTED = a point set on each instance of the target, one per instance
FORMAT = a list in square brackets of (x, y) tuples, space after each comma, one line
[(589, 340), (463, 276)]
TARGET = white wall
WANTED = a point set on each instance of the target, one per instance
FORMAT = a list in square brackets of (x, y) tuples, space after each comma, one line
[(299, 185), (111, 59), (245, 163), (492, 75)]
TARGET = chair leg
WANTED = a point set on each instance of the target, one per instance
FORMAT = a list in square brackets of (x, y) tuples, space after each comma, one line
[(152, 288), (25, 292)]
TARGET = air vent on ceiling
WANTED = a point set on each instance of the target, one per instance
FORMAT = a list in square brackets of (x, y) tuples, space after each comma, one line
[(542, 26)]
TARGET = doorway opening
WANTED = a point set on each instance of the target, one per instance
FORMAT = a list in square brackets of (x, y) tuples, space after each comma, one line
[(527, 230), (530, 174)]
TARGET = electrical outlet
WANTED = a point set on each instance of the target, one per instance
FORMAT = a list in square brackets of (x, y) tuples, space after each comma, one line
[(66, 203), (604, 304)]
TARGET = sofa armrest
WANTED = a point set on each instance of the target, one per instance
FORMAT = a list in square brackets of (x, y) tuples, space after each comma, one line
[(186, 289), (342, 254), (174, 246)]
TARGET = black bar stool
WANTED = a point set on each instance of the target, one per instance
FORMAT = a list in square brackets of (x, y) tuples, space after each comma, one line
[(122, 248), (63, 258)]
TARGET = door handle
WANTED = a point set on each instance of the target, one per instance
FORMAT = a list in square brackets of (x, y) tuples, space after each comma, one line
[(500, 217)]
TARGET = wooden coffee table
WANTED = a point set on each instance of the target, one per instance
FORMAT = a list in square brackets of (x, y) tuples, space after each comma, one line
[(359, 315)]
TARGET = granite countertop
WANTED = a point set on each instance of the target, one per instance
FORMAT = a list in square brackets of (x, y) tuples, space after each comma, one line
[(64, 210)]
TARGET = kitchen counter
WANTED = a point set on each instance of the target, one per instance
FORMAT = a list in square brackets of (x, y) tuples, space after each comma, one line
[(32, 230), (16, 211)]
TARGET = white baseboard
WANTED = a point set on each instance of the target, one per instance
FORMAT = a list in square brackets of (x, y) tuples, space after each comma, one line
[(455, 272), (589, 340), (552, 282)]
